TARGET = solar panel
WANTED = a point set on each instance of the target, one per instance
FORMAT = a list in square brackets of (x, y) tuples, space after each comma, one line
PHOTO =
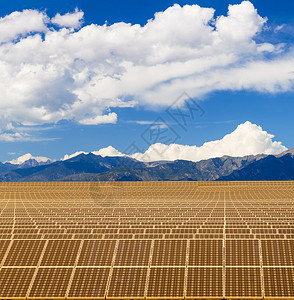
[(133, 253), (169, 253), (51, 282), (147, 240), (242, 253), (243, 282), (24, 253), (61, 253), (89, 282), (4, 244), (278, 282), (206, 253), (127, 282), (97, 253), (15, 282), (204, 282), (278, 252), (166, 282)]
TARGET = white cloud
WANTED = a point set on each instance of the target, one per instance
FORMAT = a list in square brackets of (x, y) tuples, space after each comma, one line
[(66, 157), (111, 118), (246, 139), (14, 137), (241, 24), (11, 133), (22, 159), (70, 20), (83, 74), (139, 122), (19, 24), (108, 151), (279, 27)]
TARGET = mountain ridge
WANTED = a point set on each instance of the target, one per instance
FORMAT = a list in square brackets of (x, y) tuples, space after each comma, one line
[(91, 167)]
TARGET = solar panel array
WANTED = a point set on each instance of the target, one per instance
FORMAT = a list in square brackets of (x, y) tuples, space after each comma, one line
[(147, 240)]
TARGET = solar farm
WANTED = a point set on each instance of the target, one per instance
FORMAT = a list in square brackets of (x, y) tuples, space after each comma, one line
[(147, 240)]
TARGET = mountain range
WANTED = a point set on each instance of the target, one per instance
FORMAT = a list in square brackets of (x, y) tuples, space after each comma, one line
[(90, 167), (29, 163)]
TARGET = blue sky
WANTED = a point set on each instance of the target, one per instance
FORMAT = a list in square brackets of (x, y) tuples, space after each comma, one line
[(79, 115)]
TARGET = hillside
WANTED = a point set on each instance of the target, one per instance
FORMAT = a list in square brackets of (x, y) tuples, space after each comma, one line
[(269, 168)]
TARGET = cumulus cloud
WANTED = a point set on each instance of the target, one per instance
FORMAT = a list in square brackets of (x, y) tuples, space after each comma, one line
[(70, 20), (22, 159), (241, 24), (246, 139), (108, 151), (83, 73), (19, 24)]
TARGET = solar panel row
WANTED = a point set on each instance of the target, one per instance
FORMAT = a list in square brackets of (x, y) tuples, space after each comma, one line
[(130, 282)]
